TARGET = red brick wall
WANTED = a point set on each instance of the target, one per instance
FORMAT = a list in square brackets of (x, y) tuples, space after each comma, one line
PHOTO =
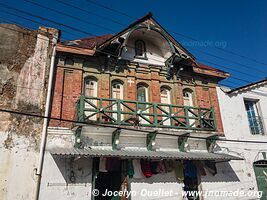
[(57, 97), (65, 98), (207, 97), (68, 87), (215, 103)]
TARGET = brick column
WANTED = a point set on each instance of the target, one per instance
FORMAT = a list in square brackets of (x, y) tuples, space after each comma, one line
[(215, 104), (57, 97), (66, 94)]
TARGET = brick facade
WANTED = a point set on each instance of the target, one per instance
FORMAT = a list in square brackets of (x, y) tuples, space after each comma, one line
[(69, 86)]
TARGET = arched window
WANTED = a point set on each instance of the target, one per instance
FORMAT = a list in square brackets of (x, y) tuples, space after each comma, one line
[(90, 90), (117, 90), (165, 98), (142, 96), (142, 93), (165, 95), (140, 49), (188, 101), (188, 97), (90, 87), (117, 93)]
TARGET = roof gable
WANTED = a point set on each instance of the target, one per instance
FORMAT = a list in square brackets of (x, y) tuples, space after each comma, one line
[(112, 45), (150, 22)]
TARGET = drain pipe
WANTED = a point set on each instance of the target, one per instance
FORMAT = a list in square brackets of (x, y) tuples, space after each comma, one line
[(45, 124)]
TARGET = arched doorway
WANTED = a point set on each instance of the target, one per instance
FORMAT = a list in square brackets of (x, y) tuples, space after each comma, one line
[(90, 90), (188, 101), (142, 97), (165, 98), (117, 93)]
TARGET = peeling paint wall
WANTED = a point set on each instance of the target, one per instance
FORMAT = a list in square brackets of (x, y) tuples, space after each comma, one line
[(236, 127), (24, 67)]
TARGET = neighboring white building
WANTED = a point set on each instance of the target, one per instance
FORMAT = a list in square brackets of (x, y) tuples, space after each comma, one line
[(25, 60), (244, 116)]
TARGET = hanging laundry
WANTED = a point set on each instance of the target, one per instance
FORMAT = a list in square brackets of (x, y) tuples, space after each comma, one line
[(154, 166), (124, 187), (113, 164), (169, 165), (211, 167), (138, 174), (130, 169), (190, 169), (179, 170), (145, 166), (102, 165), (200, 168), (161, 167)]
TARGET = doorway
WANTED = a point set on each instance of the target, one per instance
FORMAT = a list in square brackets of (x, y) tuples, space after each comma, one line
[(260, 169), (165, 98), (188, 101), (111, 178)]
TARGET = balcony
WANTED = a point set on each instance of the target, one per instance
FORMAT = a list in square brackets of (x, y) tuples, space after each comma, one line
[(144, 114)]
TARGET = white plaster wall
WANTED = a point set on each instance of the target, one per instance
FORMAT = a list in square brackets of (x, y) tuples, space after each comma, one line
[(56, 182), (19, 152), (231, 177), (157, 51), (236, 127), (17, 166), (234, 115), (55, 185)]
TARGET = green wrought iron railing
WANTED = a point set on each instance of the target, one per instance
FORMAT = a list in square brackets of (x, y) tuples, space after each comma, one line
[(150, 114)]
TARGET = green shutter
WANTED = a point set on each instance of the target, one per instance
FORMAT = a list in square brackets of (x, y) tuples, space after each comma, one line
[(260, 169)]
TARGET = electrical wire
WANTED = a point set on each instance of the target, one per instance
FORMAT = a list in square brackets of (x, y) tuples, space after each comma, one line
[(79, 30), (112, 126), (71, 16), (125, 128), (180, 34), (155, 59)]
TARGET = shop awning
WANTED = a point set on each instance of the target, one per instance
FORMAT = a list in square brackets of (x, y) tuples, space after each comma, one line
[(134, 153)]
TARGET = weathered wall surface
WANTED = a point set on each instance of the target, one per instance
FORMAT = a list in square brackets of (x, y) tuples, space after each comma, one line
[(236, 126), (72, 69), (24, 66)]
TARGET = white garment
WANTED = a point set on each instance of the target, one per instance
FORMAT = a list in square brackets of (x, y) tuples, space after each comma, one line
[(138, 174), (102, 165)]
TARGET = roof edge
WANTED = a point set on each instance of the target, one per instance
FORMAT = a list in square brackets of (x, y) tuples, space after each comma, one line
[(75, 50), (244, 87)]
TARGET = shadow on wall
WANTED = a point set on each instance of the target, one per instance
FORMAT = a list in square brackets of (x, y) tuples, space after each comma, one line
[(225, 173), (74, 170)]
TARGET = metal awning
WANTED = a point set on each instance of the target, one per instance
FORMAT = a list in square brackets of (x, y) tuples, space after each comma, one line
[(134, 153)]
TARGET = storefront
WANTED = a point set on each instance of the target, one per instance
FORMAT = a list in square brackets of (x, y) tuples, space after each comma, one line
[(135, 173)]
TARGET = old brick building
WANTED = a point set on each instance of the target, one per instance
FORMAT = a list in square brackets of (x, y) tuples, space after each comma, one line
[(138, 94), (111, 61)]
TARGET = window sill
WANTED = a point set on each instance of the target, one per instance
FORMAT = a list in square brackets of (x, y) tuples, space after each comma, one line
[(141, 57)]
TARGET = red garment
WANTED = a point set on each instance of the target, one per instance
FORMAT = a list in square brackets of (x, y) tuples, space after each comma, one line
[(145, 166)]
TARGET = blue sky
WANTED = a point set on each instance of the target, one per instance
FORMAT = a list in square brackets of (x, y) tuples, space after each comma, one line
[(238, 26)]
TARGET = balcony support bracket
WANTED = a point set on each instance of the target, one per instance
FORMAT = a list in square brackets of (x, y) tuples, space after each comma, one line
[(150, 140), (182, 139), (78, 133), (211, 143), (116, 138)]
